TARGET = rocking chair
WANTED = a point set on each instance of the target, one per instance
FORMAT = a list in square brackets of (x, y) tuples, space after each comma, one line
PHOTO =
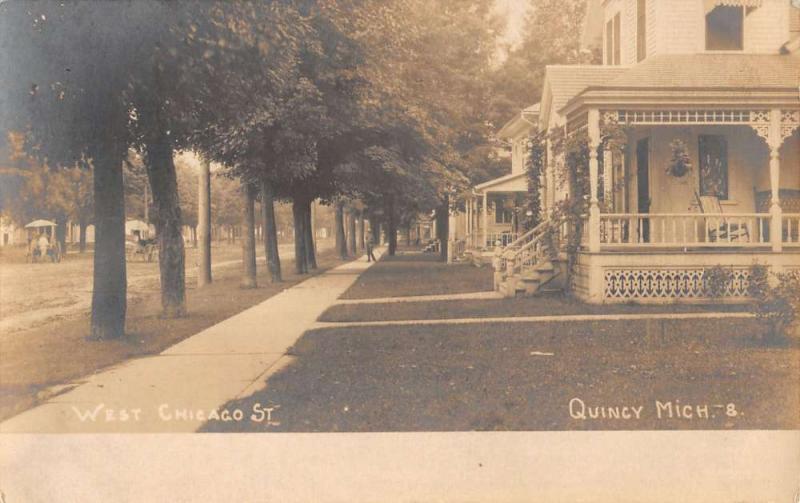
[(720, 230)]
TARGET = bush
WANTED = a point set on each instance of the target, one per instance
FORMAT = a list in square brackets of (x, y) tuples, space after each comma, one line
[(717, 279), (776, 306)]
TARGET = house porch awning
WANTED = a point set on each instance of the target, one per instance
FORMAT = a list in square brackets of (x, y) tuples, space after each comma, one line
[(710, 4)]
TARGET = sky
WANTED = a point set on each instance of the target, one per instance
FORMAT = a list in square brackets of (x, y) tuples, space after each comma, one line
[(514, 11)]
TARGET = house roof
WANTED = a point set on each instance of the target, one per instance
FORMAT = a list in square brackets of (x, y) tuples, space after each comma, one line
[(503, 183), (738, 71), (563, 82), (712, 78), (567, 81), (521, 123)]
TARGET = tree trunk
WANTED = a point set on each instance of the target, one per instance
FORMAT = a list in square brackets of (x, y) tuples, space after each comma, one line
[(270, 233), (311, 255), (408, 235), (109, 303), (249, 242), (298, 213), (167, 215), (204, 224), (82, 236), (351, 233), (391, 226), (341, 245), (442, 226), (61, 234), (362, 244)]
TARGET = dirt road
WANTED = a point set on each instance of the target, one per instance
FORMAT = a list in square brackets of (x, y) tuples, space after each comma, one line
[(32, 294)]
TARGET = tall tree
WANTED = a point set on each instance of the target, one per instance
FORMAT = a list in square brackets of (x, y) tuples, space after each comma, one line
[(72, 66), (204, 223), (249, 278), (270, 232)]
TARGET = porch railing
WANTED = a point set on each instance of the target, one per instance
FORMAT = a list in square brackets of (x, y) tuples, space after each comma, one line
[(525, 237), (791, 229), (502, 239), (530, 248), (681, 230)]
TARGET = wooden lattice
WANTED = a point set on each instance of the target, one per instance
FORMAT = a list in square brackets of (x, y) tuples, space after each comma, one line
[(629, 283)]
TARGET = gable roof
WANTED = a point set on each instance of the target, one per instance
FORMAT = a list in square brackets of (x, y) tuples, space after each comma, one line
[(521, 123), (563, 82)]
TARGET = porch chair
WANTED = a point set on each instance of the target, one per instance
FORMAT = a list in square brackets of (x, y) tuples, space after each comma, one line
[(710, 205)]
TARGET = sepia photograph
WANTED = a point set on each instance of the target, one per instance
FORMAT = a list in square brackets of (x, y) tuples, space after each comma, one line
[(400, 250)]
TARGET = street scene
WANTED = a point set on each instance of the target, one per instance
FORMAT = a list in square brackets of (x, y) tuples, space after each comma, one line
[(400, 216)]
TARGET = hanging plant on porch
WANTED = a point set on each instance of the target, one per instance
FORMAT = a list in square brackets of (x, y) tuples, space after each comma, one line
[(680, 164)]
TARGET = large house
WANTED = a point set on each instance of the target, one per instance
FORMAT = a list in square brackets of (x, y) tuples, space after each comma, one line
[(713, 83)]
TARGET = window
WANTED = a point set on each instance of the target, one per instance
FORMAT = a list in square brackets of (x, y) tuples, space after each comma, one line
[(502, 215), (613, 41), (713, 153), (725, 28), (641, 30)]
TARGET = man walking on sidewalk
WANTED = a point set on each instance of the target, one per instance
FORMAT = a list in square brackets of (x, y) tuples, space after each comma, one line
[(370, 246)]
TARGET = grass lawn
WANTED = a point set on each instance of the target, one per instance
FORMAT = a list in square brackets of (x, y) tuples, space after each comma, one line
[(58, 352), (501, 377), (418, 274), (543, 305)]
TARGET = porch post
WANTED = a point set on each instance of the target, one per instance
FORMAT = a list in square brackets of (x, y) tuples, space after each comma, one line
[(485, 217), (594, 168), (608, 179), (469, 220), (775, 212), (472, 239)]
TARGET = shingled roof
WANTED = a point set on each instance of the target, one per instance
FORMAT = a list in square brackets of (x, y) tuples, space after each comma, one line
[(567, 81), (735, 71)]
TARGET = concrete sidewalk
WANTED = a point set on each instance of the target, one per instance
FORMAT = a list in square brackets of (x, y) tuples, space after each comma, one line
[(176, 390)]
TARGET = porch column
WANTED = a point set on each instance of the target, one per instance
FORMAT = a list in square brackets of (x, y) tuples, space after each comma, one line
[(608, 179), (485, 217), (775, 212), (469, 220), (472, 238), (594, 168)]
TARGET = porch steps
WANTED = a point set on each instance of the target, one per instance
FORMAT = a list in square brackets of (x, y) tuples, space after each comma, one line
[(538, 280)]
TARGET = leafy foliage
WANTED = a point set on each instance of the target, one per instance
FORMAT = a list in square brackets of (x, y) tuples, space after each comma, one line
[(778, 306)]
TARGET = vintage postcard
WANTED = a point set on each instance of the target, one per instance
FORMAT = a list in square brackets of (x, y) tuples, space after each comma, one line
[(400, 250)]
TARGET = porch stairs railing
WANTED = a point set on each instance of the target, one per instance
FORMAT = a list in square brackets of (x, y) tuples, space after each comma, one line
[(531, 263)]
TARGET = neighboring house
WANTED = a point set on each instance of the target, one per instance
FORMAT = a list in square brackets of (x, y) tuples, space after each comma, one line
[(721, 76), (11, 234), (493, 213)]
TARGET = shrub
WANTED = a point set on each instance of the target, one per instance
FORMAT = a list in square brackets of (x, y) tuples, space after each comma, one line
[(717, 280), (776, 306)]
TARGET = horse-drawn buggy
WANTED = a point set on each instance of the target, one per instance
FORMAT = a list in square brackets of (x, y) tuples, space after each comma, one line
[(42, 243), (136, 247)]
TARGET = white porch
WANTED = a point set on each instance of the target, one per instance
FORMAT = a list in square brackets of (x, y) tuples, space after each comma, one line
[(650, 241), (493, 212)]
